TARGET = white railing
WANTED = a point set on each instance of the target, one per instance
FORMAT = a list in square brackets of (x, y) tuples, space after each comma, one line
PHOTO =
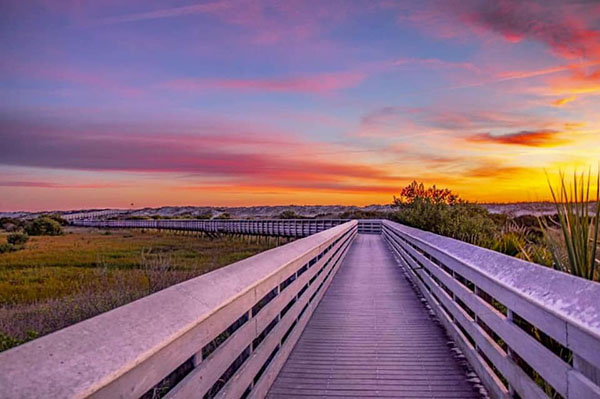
[(525, 329), (270, 227), (92, 214), (224, 334), (369, 226)]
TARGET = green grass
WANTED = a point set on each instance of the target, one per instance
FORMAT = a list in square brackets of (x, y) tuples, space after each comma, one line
[(60, 280)]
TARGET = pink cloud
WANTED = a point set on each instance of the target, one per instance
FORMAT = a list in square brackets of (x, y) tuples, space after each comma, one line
[(401, 121), (193, 156), (40, 184), (563, 27), (320, 83)]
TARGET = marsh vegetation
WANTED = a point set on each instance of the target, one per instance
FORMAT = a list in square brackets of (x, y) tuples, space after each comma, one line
[(57, 280), (567, 241)]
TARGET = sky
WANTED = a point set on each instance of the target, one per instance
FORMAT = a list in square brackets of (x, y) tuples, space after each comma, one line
[(139, 103)]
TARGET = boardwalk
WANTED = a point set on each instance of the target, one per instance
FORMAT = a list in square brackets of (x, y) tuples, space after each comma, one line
[(331, 315), (372, 337)]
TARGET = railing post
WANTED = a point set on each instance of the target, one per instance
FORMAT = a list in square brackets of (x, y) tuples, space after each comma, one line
[(509, 317)]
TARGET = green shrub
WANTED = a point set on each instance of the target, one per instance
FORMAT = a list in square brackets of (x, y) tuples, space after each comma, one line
[(17, 238), (288, 214), (6, 247), (58, 218), (43, 226), (7, 342), (442, 212)]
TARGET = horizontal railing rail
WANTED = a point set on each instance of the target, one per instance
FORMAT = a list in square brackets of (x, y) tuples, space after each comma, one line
[(525, 329), (267, 227), (224, 334), (369, 226)]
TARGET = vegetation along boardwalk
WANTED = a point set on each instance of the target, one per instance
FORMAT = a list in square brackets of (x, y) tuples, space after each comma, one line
[(372, 337)]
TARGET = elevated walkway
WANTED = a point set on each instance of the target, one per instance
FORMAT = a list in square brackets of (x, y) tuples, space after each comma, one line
[(371, 336)]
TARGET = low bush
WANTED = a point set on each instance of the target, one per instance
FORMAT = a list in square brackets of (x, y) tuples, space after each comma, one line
[(17, 238), (288, 214), (6, 247), (43, 226), (443, 212), (57, 218)]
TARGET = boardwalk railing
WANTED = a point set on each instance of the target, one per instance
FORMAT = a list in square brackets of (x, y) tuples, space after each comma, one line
[(270, 227), (525, 329), (369, 226), (92, 214), (224, 334)]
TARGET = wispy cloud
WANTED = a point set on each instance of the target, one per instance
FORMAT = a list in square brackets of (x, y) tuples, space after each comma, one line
[(180, 154), (172, 12), (540, 138), (563, 101), (319, 83), (43, 184)]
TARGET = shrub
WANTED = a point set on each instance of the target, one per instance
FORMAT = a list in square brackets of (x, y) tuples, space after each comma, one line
[(6, 247), (289, 214), (58, 218), (17, 238), (417, 191), (43, 226), (443, 212), (204, 216), (11, 224), (509, 244)]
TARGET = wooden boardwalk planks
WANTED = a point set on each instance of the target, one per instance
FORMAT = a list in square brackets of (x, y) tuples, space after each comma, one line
[(372, 337)]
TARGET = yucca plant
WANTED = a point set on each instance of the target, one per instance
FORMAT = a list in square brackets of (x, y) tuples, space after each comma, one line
[(574, 250)]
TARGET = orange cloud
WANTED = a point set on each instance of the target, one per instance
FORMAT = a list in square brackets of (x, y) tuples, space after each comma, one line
[(538, 138), (562, 101)]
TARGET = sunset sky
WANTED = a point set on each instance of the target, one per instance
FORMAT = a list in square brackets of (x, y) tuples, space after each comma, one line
[(234, 102)]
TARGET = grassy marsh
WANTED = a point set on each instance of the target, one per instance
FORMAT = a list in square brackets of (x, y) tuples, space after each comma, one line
[(60, 280)]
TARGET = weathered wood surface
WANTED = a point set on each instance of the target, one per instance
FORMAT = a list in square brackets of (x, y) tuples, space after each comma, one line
[(371, 336)]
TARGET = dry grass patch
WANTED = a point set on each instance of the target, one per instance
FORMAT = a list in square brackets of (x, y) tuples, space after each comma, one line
[(60, 280)]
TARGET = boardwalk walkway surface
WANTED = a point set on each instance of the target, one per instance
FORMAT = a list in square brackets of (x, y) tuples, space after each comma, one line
[(372, 337)]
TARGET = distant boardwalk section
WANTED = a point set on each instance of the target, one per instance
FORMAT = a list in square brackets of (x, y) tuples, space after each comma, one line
[(266, 227)]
